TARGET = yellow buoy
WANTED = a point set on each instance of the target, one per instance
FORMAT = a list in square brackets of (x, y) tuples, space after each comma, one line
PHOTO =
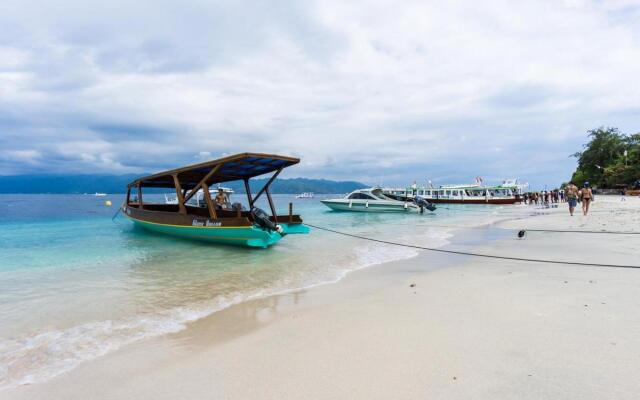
[(107, 203)]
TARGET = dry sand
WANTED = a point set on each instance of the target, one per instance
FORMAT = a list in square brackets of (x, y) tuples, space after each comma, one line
[(436, 326)]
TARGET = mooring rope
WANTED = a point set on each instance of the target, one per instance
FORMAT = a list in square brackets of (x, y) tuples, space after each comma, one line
[(491, 225), (524, 210), (116, 214), (501, 211), (581, 231), (467, 253)]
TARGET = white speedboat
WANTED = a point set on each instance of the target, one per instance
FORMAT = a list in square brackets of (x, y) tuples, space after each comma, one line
[(305, 195), (370, 200)]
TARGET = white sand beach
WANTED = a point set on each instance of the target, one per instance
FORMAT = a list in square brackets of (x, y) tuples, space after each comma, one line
[(435, 326)]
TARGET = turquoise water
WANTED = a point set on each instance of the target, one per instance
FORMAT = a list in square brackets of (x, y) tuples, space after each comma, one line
[(75, 285)]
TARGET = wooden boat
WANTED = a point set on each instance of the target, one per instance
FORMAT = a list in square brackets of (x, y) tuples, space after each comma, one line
[(235, 225)]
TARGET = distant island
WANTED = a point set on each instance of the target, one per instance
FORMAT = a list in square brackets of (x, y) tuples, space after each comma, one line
[(70, 184)]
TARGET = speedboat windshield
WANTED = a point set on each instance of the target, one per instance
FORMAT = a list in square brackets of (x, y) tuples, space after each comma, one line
[(378, 193)]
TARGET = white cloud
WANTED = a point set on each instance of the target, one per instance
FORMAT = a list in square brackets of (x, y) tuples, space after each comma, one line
[(358, 89), (24, 156)]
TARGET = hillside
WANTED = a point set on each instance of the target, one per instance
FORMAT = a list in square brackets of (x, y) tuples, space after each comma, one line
[(116, 184)]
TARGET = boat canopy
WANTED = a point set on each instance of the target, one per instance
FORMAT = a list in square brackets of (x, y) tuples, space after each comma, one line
[(241, 166)]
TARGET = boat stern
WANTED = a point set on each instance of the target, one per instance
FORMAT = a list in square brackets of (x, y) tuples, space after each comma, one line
[(294, 229)]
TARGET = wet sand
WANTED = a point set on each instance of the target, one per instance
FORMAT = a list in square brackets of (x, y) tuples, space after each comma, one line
[(435, 326)]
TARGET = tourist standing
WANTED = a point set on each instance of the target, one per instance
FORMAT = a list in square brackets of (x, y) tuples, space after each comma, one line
[(587, 197), (546, 197), (571, 193)]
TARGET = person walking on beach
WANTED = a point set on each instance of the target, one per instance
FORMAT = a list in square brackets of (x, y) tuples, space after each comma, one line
[(571, 193), (587, 197)]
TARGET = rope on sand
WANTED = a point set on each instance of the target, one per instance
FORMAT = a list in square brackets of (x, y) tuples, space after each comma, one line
[(489, 225), (466, 253), (520, 233), (580, 231)]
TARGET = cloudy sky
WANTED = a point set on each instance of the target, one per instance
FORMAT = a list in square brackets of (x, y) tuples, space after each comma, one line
[(373, 91)]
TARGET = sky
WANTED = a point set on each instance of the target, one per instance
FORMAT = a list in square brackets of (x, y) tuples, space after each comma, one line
[(382, 92)]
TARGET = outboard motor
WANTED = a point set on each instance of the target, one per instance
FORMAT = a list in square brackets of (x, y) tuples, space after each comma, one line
[(237, 206), (423, 203), (262, 219)]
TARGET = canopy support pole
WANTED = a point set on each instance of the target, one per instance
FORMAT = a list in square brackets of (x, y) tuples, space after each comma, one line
[(273, 208), (182, 209), (247, 189), (210, 205), (140, 204), (266, 186), (203, 181), (128, 200)]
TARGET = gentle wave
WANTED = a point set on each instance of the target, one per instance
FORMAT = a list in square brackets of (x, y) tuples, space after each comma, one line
[(40, 357)]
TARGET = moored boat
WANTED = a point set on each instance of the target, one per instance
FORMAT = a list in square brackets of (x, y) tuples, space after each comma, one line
[(509, 192), (373, 200), (217, 223)]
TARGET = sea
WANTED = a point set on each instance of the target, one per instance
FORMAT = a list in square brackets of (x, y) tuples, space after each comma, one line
[(78, 280)]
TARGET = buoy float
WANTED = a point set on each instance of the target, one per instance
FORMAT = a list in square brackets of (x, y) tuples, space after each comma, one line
[(107, 203)]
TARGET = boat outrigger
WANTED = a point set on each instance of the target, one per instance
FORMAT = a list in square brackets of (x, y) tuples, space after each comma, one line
[(215, 223)]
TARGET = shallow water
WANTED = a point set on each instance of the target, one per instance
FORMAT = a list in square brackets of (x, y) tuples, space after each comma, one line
[(75, 285)]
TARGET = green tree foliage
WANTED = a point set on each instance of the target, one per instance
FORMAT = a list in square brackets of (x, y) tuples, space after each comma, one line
[(602, 162)]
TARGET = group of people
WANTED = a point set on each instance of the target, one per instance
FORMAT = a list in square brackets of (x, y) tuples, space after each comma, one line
[(570, 194), (544, 197)]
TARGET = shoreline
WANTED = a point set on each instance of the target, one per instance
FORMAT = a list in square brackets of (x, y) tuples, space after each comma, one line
[(213, 356)]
